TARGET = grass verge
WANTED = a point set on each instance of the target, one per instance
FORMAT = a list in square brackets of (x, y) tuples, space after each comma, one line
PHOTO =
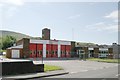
[(104, 60), (51, 68)]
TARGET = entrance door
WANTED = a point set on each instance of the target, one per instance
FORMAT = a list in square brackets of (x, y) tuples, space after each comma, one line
[(15, 54)]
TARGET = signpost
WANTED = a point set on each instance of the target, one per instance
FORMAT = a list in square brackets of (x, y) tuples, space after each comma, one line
[(82, 55)]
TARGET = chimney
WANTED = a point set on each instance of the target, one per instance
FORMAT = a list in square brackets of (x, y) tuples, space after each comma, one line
[(46, 34)]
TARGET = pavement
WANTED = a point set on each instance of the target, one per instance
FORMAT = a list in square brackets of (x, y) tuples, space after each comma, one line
[(35, 75)]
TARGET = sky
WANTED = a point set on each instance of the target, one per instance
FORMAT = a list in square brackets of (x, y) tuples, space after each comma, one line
[(95, 22)]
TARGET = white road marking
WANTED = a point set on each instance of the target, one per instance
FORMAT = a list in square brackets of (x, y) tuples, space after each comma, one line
[(118, 75), (73, 72), (79, 71), (84, 70)]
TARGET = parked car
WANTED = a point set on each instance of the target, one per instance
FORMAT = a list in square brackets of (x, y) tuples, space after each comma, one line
[(1, 53)]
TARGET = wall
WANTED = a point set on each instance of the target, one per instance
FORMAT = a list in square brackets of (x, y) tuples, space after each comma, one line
[(73, 52), (9, 52), (26, 50), (20, 42), (46, 34), (116, 50), (52, 48), (36, 48), (86, 51), (21, 67), (96, 52), (110, 51)]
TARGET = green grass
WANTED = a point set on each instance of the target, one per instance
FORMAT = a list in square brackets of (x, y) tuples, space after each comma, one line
[(104, 60), (51, 68), (2, 50)]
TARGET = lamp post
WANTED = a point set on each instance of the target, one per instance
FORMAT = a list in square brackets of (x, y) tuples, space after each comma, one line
[(79, 54), (42, 57), (84, 56)]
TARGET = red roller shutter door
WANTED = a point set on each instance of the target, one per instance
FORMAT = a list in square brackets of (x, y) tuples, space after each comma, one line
[(55, 50), (48, 50), (32, 48), (68, 49), (62, 50), (39, 50)]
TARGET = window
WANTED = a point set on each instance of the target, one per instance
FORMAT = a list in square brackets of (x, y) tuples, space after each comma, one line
[(34, 52), (99, 51), (61, 52), (66, 52), (106, 51), (52, 52), (46, 52), (41, 52), (56, 52), (30, 51), (38, 52)]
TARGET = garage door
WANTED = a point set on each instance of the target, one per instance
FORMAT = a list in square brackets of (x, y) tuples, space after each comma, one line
[(15, 54)]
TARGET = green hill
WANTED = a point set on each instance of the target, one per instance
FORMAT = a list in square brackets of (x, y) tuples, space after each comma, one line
[(17, 35), (85, 44)]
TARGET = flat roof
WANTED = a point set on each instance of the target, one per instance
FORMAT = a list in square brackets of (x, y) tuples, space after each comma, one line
[(51, 41), (19, 47)]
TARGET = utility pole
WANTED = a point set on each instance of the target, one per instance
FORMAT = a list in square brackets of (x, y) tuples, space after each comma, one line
[(79, 54), (72, 34)]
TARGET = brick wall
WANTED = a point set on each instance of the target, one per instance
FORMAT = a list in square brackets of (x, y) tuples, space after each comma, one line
[(96, 52), (20, 42), (73, 54), (86, 51), (110, 51), (26, 50), (21, 67), (8, 53), (72, 46), (46, 34)]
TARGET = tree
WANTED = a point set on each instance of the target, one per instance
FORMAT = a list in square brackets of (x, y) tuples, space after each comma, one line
[(8, 41)]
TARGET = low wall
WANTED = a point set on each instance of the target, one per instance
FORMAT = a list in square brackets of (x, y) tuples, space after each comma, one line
[(21, 67), (0, 70)]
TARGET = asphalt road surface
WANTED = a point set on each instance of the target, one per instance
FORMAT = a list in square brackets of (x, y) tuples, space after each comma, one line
[(85, 69), (99, 73)]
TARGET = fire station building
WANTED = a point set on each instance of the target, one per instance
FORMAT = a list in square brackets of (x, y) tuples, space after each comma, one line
[(45, 47), (30, 48)]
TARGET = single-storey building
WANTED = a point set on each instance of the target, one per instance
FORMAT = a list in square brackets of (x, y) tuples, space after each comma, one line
[(31, 48), (94, 51)]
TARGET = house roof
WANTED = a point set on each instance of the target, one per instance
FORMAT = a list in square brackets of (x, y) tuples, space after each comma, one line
[(19, 47), (51, 41)]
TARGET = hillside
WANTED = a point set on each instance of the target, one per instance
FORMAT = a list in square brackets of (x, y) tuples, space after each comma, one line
[(17, 35), (85, 44)]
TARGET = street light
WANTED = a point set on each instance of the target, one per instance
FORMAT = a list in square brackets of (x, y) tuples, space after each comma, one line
[(84, 56), (42, 57), (79, 54)]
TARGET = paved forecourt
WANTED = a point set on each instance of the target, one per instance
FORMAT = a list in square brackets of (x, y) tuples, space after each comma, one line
[(75, 66)]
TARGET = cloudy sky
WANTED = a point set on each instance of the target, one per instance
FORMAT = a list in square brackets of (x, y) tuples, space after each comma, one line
[(95, 22)]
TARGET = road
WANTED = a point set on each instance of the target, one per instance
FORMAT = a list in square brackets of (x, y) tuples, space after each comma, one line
[(85, 69), (100, 73)]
